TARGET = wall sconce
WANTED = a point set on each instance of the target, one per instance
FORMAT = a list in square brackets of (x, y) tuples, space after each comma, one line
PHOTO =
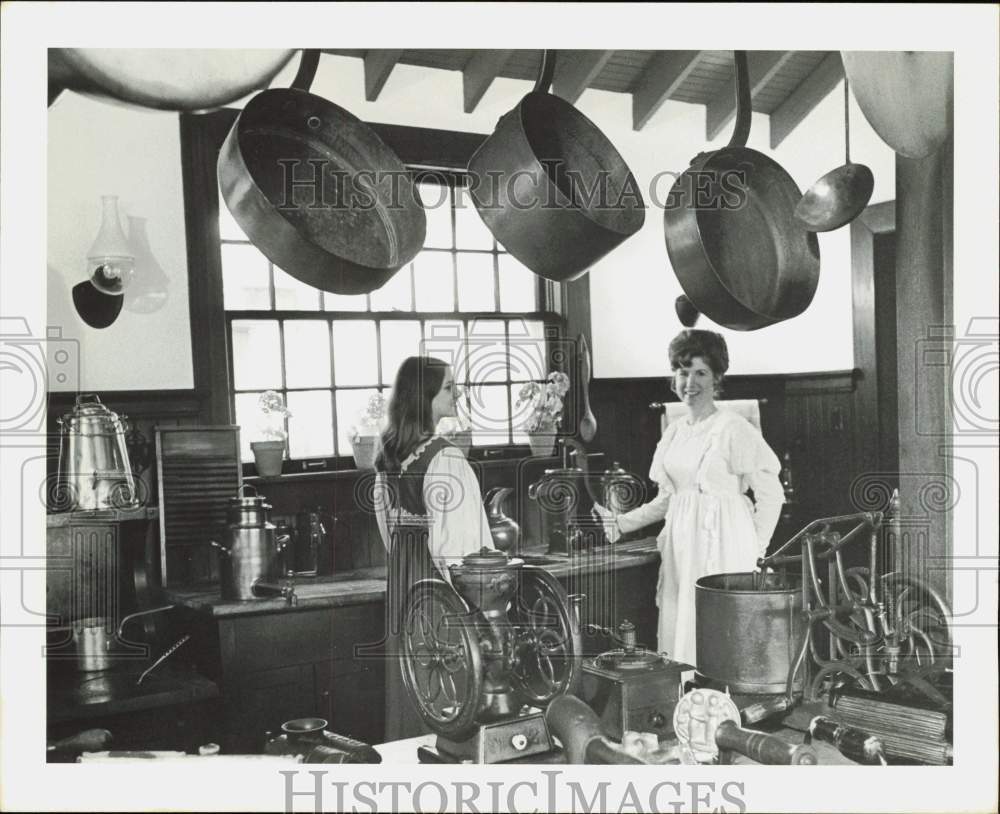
[(110, 264)]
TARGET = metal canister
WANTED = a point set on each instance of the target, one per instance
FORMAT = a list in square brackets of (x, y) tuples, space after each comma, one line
[(251, 551), (748, 633), (94, 468), (620, 491), (244, 510), (559, 495)]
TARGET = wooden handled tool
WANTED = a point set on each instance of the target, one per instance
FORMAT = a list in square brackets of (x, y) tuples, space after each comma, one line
[(90, 740), (763, 748)]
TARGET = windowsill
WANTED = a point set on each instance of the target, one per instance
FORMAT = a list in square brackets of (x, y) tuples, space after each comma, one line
[(491, 464)]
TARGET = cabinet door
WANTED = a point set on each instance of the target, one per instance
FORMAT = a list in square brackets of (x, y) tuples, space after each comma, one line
[(610, 597), (265, 700), (352, 698), (635, 588)]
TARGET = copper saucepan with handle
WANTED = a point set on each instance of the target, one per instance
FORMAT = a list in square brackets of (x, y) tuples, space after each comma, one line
[(741, 256)]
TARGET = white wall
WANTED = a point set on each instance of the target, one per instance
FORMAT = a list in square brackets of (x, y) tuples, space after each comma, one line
[(96, 148)]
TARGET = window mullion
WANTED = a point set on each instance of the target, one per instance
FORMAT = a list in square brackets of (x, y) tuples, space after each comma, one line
[(333, 389)]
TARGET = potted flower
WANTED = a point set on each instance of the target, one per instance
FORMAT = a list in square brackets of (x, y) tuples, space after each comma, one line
[(366, 430), (544, 405), (269, 452)]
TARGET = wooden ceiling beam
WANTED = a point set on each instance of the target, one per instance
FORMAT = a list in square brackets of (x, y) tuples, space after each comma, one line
[(810, 92), (575, 70), (661, 78), (378, 65), (479, 73), (763, 66)]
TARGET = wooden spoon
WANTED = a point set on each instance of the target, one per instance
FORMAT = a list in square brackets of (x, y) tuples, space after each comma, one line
[(588, 424)]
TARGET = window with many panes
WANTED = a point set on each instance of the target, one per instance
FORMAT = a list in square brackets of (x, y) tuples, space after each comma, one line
[(462, 299)]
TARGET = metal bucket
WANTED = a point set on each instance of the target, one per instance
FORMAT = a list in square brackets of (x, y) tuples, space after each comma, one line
[(748, 629)]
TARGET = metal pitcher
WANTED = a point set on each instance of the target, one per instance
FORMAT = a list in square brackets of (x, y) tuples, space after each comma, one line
[(506, 533), (94, 468)]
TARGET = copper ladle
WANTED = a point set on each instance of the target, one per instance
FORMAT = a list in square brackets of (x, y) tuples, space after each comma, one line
[(839, 196)]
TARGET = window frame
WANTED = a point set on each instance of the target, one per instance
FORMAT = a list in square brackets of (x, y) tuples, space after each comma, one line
[(425, 152)]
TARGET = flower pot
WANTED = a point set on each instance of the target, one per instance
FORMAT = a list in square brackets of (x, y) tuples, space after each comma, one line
[(268, 456), (365, 448), (542, 443)]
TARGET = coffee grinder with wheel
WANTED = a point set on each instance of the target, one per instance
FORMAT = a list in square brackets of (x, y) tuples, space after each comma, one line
[(482, 659)]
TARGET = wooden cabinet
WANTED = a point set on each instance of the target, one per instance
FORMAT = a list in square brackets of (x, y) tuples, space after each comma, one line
[(268, 698), (301, 663), (309, 662), (612, 596), (352, 697)]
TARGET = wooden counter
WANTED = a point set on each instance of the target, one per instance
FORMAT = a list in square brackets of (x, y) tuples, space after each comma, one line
[(174, 708), (368, 584), (323, 657)]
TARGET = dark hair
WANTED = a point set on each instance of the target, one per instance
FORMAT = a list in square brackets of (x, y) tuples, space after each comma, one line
[(709, 345), (418, 381)]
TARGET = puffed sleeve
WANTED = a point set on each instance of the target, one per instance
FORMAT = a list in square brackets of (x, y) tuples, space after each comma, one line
[(754, 461), (455, 506), (656, 509)]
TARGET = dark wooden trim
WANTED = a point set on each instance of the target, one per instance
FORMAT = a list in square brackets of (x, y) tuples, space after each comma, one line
[(201, 139), (876, 220), (425, 147), (813, 382), (836, 381), (137, 403)]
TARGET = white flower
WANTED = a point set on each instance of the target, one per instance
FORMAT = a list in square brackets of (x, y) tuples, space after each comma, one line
[(545, 401)]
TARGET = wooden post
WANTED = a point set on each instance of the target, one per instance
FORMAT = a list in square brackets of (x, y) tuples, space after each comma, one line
[(924, 330)]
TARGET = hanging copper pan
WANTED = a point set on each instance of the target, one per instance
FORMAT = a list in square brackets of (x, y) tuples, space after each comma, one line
[(552, 188), (351, 219), (739, 253)]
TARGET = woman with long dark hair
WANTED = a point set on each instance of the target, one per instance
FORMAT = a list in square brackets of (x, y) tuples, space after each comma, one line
[(429, 511), (704, 465)]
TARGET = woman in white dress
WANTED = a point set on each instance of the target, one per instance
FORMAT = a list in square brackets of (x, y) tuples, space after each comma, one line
[(428, 507), (703, 466)]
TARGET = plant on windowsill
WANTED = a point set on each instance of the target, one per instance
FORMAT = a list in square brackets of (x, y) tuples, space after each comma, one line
[(269, 452), (544, 405), (366, 431)]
